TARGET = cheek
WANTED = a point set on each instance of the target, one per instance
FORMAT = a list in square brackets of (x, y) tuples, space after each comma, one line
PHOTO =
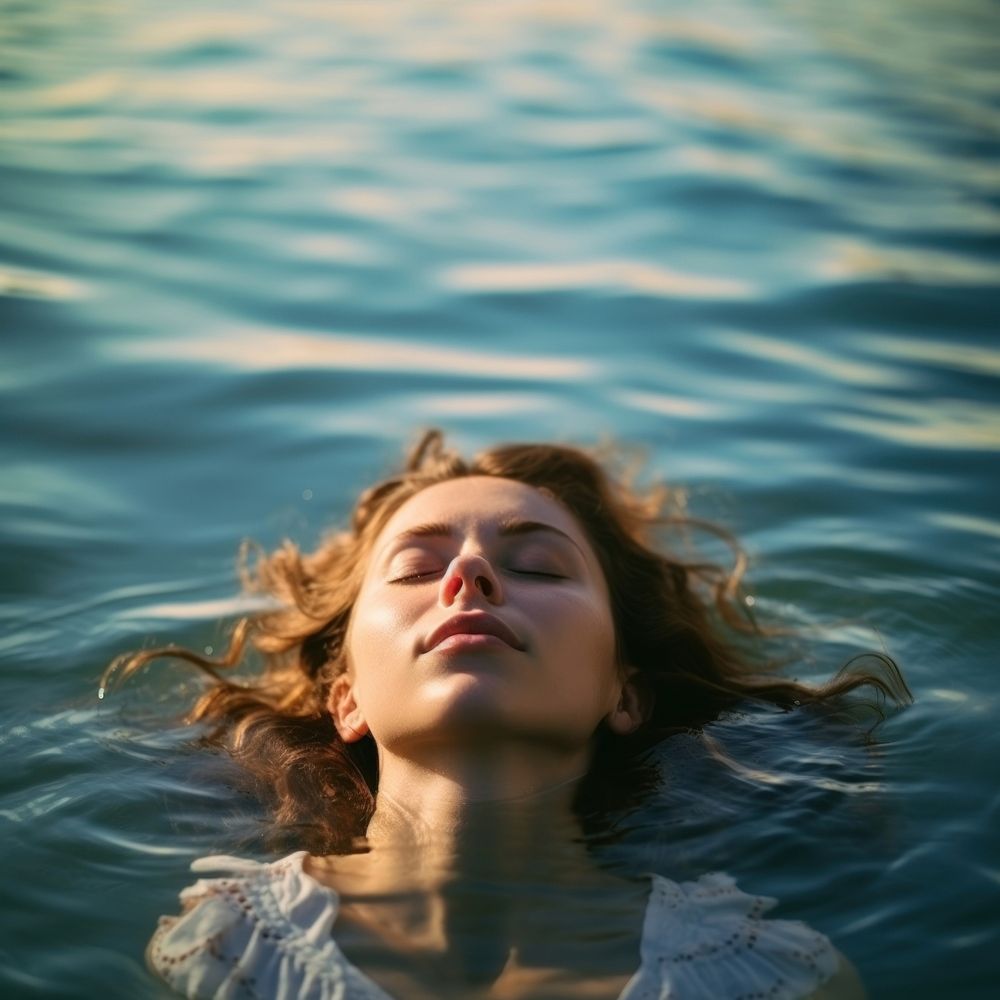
[(378, 626), (586, 629)]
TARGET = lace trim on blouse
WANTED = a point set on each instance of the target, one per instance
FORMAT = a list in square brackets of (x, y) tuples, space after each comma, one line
[(264, 932)]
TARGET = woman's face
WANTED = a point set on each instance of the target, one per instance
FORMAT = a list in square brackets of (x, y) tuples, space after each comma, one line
[(483, 614)]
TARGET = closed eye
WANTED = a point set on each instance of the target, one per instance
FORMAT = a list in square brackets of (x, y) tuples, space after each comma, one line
[(541, 573), (417, 577)]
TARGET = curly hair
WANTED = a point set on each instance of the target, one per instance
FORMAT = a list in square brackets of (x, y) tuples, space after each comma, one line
[(680, 624)]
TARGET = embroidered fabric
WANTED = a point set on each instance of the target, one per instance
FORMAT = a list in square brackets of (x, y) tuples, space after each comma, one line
[(265, 932)]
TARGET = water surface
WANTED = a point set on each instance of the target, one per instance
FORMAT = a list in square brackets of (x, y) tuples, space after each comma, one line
[(247, 250)]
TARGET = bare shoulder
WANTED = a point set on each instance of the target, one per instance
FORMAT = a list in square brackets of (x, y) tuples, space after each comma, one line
[(845, 984)]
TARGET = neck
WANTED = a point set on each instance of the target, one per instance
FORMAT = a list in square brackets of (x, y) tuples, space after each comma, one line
[(481, 869), (490, 817)]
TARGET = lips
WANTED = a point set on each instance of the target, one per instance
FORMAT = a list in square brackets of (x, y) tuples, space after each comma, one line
[(473, 623)]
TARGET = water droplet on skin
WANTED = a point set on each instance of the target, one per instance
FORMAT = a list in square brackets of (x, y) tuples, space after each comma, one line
[(750, 602), (100, 694)]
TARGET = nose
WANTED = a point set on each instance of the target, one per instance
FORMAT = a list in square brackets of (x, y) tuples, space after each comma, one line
[(469, 575)]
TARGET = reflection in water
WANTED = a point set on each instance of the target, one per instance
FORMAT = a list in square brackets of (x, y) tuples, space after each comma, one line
[(963, 522), (273, 350), (815, 360), (948, 424), (674, 406), (848, 260), (20, 283), (978, 360), (614, 276), (437, 407)]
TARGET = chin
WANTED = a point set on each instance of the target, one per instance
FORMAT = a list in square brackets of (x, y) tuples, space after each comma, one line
[(476, 714), (460, 706), (473, 696)]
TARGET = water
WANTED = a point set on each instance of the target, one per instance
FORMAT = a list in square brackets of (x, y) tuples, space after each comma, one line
[(247, 250)]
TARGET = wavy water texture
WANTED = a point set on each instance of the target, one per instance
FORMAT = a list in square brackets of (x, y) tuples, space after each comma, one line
[(247, 251)]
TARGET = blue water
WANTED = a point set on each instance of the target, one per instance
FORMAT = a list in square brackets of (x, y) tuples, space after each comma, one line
[(246, 250)]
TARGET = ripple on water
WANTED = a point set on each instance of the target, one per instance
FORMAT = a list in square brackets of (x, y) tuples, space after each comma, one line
[(622, 276), (936, 425), (275, 350), (977, 359), (28, 284)]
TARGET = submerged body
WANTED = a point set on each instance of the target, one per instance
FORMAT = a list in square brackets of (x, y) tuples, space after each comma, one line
[(482, 900), (275, 931)]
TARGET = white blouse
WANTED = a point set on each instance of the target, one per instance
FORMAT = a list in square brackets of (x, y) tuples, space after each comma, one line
[(265, 932)]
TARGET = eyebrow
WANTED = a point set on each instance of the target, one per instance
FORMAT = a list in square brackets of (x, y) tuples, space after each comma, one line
[(512, 527), (508, 528)]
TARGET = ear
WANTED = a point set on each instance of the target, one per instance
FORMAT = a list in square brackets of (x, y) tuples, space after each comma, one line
[(632, 708), (345, 711)]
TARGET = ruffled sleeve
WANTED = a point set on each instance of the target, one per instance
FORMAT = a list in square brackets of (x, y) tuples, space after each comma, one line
[(709, 939), (262, 932)]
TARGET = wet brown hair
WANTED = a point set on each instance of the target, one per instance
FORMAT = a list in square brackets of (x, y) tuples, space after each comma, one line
[(681, 623)]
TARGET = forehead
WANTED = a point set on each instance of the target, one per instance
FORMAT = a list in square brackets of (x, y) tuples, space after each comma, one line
[(475, 503)]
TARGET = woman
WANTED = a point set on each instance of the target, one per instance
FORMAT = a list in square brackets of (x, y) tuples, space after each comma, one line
[(457, 691)]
